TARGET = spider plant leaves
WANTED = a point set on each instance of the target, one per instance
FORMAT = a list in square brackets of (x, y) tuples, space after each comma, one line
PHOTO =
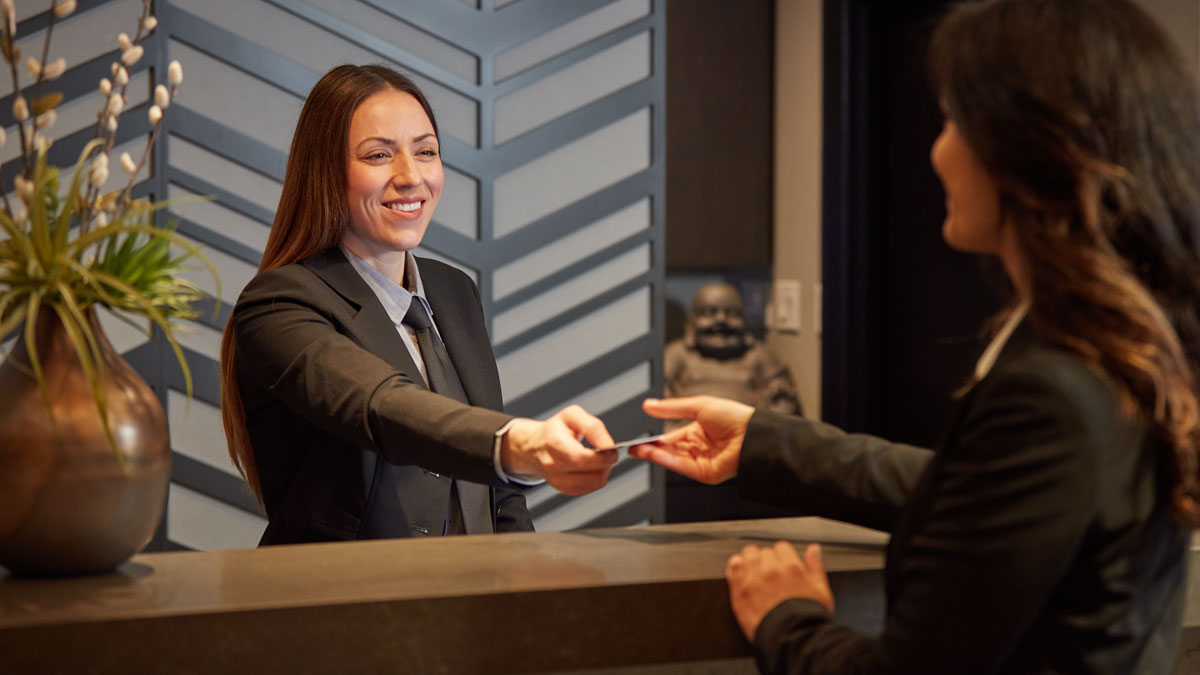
[(142, 305), (10, 312), (70, 207), (45, 179), (137, 259), (32, 305), (14, 231)]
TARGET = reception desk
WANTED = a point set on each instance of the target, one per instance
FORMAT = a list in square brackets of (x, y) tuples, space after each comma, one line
[(651, 597), (649, 600)]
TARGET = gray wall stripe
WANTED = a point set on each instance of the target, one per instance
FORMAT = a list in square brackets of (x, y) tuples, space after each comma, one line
[(214, 483)]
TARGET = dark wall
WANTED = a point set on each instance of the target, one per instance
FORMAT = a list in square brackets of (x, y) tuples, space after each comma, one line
[(720, 137), (902, 310), (720, 167)]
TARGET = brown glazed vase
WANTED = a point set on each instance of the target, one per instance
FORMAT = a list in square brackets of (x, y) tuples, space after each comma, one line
[(67, 506)]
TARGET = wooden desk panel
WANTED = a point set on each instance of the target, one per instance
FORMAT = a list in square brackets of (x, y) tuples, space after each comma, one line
[(501, 604)]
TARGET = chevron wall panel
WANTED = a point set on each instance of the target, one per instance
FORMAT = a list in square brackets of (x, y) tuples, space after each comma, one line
[(551, 113)]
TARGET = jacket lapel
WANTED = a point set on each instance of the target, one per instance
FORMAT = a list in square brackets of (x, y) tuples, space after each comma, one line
[(371, 325), (464, 342)]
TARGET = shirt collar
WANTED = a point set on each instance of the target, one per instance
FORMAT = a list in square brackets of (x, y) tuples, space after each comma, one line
[(984, 365), (395, 298)]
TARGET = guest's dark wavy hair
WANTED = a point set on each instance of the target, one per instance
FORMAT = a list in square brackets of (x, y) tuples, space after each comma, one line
[(313, 211), (1085, 115)]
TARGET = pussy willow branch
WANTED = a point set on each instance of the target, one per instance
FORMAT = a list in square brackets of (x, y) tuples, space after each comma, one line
[(141, 162), (111, 137), (4, 193), (12, 64), (37, 87)]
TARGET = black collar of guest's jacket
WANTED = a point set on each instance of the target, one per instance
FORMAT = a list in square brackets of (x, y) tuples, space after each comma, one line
[(1022, 338)]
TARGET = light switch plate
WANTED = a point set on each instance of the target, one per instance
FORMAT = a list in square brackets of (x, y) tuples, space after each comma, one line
[(786, 305), (817, 309)]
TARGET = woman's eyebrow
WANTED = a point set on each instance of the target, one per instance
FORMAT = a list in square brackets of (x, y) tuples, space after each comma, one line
[(392, 142), (376, 139)]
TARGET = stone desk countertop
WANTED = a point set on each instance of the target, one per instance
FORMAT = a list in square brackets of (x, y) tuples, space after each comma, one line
[(500, 604)]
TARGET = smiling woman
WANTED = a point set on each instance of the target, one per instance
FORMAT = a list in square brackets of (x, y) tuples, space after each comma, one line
[(394, 179), (359, 392)]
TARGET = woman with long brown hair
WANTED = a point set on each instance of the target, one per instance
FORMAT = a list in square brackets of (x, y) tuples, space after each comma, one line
[(1048, 533), (360, 396)]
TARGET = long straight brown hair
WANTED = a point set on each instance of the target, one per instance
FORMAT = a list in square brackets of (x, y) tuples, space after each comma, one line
[(313, 213), (1087, 119)]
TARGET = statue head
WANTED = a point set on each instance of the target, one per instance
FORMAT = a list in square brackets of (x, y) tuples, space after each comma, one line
[(716, 326)]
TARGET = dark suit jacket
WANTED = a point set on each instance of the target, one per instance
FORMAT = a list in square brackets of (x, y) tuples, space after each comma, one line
[(1036, 540), (349, 442)]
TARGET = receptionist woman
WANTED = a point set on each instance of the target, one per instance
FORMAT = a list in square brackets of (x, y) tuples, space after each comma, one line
[(360, 394)]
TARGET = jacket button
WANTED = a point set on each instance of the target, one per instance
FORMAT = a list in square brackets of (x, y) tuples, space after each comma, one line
[(420, 529), (434, 474)]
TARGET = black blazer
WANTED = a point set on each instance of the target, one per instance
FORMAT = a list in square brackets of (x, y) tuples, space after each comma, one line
[(329, 390), (1036, 540)]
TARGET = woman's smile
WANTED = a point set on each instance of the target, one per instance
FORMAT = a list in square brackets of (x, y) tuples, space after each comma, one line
[(405, 207)]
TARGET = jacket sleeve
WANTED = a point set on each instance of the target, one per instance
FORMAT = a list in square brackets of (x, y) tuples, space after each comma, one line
[(819, 469), (512, 515), (1009, 506), (289, 346)]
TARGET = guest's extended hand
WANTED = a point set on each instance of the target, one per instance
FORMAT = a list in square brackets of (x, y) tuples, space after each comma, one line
[(552, 450), (762, 578), (706, 450)]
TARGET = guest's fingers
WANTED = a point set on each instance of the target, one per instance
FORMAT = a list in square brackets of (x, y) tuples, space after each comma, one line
[(674, 408), (813, 559), (787, 553)]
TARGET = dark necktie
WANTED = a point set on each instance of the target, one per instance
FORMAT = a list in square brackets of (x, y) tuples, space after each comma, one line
[(443, 379)]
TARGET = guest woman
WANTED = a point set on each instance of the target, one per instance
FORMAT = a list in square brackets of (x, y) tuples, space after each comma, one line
[(360, 396), (1048, 533)]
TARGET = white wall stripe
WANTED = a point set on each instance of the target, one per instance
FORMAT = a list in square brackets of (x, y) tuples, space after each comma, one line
[(202, 523), (193, 424)]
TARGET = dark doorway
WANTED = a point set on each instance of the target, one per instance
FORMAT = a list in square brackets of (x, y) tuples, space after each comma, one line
[(902, 311)]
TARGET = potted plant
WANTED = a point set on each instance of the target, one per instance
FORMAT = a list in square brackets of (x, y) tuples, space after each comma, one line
[(84, 449)]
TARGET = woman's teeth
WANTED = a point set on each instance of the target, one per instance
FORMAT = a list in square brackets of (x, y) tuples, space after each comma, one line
[(402, 206)]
